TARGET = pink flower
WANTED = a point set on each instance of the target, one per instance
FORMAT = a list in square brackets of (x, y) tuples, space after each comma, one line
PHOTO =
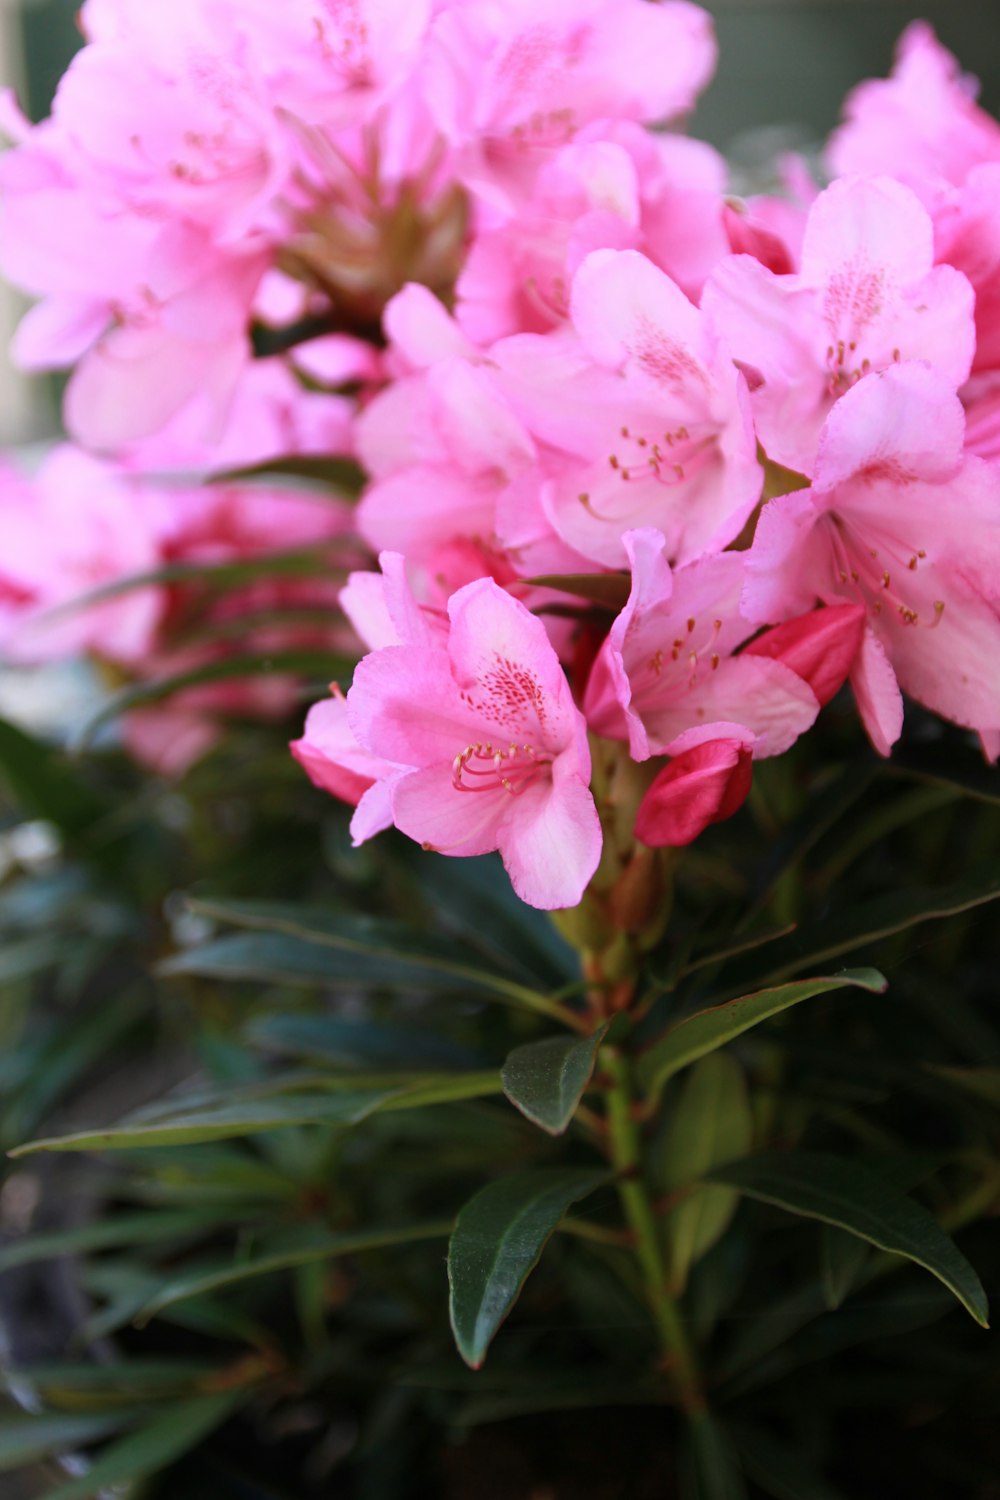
[(509, 83), (899, 520), (641, 420), (867, 296), (495, 751), (820, 647), (922, 125), (334, 761), (703, 785), (76, 526), (666, 677)]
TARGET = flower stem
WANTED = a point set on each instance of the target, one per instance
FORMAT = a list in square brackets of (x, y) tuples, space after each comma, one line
[(625, 1143)]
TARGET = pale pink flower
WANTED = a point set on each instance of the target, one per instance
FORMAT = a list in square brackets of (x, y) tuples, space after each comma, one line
[(496, 750), (667, 678), (868, 295), (334, 761), (640, 416), (899, 520)]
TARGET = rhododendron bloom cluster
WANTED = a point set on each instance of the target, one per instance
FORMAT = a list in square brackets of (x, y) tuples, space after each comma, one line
[(643, 465)]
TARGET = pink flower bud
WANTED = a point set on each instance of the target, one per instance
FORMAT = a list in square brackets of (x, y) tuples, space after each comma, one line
[(819, 647), (703, 785)]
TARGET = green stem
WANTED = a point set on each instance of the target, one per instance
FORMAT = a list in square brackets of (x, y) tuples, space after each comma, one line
[(625, 1142)]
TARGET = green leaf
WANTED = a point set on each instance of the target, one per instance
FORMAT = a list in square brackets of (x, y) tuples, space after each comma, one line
[(302, 663), (219, 1119), (708, 1029), (23, 1439), (498, 1240), (43, 784), (546, 1080), (982, 1083), (710, 1123), (298, 1100), (881, 918), (390, 952), (154, 1446), (781, 1474), (842, 1257), (611, 590), (152, 1228), (341, 474), (315, 1249), (840, 1192), (952, 766), (712, 1470)]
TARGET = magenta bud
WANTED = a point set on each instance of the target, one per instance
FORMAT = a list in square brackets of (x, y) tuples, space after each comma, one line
[(819, 647), (703, 785)]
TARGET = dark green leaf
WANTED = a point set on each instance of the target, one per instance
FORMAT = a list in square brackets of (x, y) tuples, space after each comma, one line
[(710, 1123), (983, 1083), (713, 1470), (841, 1193), (708, 1029), (316, 1248), (842, 1257), (780, 1473), (546, 1080), (341, 474), (959, 769), (153, 1447), (608, 589), (498, 1239), (390, 952), (23, 1439), (881, 918), (352, 1043), (152, 1228), (43, 784)]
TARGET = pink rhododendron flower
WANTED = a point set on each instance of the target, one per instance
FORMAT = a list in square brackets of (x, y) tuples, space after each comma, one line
[(867, 295), (334, 761), (922, 125), (820, 647), (641, 419), (900, 520), (495, 750), (71, 529), (509, 83), (705, 784), (667, 674)]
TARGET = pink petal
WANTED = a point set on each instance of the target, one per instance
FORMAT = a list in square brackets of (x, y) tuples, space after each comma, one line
[(876, 692), (902, 424), (703, 785), (551, 845)]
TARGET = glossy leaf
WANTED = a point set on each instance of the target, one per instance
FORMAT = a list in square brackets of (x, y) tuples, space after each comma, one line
[(706, 1030), (710, 1123), (546, 1080), (174, 1431), (839, 1192), (152, 1228), (498, 1240)]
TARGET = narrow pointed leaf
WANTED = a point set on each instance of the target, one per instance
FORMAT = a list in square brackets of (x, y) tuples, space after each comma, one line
[(842, 1257), (498, 1240), (152, 1228), (391, 949), (611, 590), (706, 1030), (318, 1249), (26, 1438), (546, 1080), (710, 1123), (44, 785), (172, 1433), (841, 1193)]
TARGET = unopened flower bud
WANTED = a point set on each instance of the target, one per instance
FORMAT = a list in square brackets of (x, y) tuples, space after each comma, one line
[(703, 785)]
